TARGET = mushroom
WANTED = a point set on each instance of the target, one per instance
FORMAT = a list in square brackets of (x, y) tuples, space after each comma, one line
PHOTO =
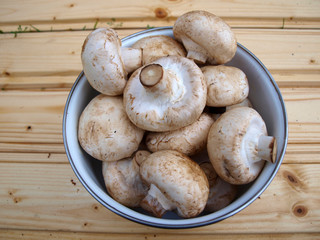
[(238, 145), (221, 193), (154, 47), (122, 179), (105, 132), (175, 183), (166, 94), (105, 63), (206, 37), (226, 85), (188, 140)]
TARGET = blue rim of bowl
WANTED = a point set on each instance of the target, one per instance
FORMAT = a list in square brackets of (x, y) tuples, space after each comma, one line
[(179, 225)]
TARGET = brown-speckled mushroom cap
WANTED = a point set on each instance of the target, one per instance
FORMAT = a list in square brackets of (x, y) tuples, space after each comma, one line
[(154, 47), (105, 132), (180, 182), (102, 63), (206, 37), (188, 140), (234, 145), (123, 182), (176, 99), (226, 85)]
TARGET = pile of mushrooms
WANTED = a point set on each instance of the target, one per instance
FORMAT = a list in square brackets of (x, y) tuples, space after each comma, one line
[(154, 125)]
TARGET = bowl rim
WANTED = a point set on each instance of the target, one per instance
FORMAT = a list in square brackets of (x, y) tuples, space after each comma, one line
[(177, 223)]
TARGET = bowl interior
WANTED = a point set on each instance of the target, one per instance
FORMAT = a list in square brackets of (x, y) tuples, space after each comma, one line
[(265, 97)]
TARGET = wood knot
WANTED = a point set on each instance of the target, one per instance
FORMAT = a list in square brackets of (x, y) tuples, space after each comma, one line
[(312, 61), (160, 13), (95, 207), (293, 180), (300, 210)]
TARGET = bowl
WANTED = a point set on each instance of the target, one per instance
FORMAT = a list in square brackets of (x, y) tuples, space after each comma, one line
[(266, 99)]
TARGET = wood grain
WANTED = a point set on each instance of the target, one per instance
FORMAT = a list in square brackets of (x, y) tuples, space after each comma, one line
[(47, 54), (54, 153), (118, 13), (40, 45), (36, 116), (39, 235), (283, 78), (49, 197)]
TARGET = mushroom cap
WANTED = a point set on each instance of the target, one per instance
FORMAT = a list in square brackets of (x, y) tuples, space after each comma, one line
[(233, 145), (151, 110), (105, 132), (226, 85), (221, 193), (203, 32), (102, 63), (154, 47), (188, 140), (123, 182), (179, 178)]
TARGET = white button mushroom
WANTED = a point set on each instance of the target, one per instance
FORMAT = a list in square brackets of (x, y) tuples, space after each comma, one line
[(188, 140), (166, 95), (226, 85), (206, 37), (122, 179), (238, 145), (105, 132), (154, 47), (175, 183), (221, 193), (105, 63)]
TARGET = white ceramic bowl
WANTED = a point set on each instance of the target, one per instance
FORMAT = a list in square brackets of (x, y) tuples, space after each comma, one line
[(265, 97)]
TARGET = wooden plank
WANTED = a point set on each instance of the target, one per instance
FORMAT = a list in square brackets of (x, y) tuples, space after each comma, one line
[(44, 153), (32, 117), (49, 197), (57, 12), (36, 116), (291, 78), (33, 157), (58, 53), (303, 128), (302, 153), (283, 78), (39, 235), (47, 148), (145, 23)]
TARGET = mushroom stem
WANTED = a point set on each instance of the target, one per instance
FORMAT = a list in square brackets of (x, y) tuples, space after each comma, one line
[(163, 83), (151, 74), (156, 203), (132, 58), (198, 57), (267, 148)]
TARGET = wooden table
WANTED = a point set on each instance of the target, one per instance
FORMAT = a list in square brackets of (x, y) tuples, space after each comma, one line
[(40, 44)]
